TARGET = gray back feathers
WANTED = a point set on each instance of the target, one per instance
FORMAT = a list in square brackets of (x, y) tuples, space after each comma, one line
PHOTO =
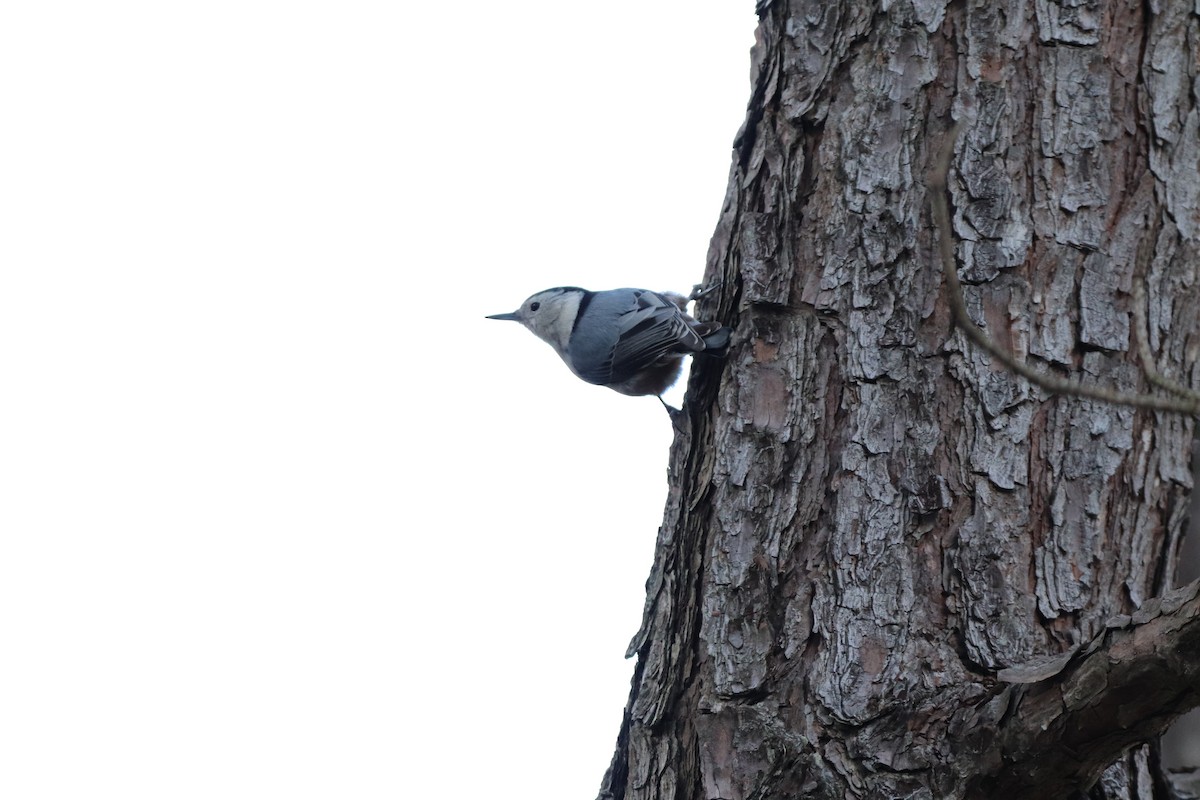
[(623, 331)]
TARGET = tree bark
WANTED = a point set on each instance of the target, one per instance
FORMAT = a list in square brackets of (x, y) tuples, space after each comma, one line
[(888, 567)]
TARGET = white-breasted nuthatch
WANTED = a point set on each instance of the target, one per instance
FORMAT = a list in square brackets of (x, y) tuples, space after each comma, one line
[(631, 340)]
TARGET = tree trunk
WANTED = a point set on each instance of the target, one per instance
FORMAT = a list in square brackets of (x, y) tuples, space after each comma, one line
[(889, 567)]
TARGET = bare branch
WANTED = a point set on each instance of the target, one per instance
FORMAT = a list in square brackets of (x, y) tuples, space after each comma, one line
[(941, 215), (1058, 731)]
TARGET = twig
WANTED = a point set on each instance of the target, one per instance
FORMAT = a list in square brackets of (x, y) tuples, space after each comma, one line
[(1142, 337), (1051, 383)]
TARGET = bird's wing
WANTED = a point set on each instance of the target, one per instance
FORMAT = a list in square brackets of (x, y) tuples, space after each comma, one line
[(655, 327)]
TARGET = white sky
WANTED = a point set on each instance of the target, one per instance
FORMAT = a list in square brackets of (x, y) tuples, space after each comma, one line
[(281, 515)]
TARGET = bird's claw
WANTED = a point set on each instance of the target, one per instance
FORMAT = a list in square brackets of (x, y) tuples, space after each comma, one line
[(700, 290)]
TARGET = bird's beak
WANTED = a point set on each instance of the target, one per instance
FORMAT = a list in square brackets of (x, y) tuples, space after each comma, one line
[(512, 315)]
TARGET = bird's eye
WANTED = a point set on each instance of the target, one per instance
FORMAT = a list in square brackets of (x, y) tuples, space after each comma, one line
[(534, 306)]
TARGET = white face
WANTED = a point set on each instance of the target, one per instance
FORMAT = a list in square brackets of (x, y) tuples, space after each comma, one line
[(538, 310), (549, 315)]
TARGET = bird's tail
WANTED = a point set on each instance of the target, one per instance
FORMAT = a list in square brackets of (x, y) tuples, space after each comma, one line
[(715, 335)]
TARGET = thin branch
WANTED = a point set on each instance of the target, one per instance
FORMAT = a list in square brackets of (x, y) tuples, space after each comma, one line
[(941, 215), (1142, 336)]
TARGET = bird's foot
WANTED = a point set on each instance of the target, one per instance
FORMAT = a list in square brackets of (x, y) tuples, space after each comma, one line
[(700, 290), (676, 414)]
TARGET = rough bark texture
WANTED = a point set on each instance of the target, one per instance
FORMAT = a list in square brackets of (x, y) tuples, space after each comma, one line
[(888, 568)]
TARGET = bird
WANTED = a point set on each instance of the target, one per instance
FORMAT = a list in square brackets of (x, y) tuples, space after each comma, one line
[(631, 340)]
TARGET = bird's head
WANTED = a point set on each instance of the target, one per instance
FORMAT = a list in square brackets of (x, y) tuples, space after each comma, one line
[(549, 314)]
